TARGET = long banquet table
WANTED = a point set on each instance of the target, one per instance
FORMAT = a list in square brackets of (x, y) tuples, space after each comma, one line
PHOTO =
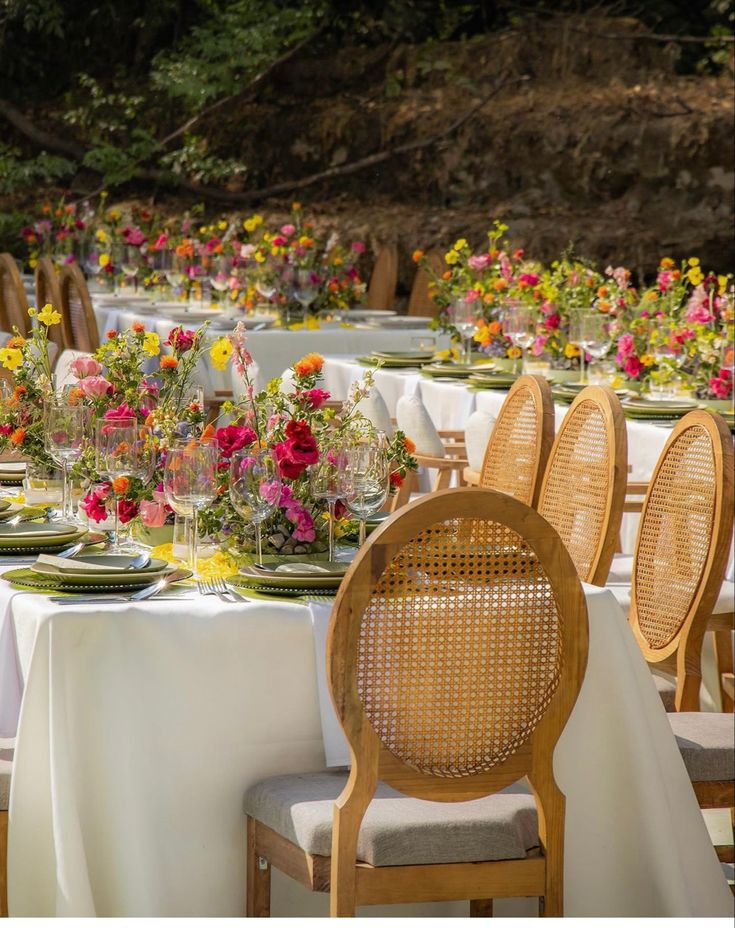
[(141, 727)]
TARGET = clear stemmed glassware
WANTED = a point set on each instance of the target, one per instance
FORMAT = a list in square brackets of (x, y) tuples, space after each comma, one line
[(519, 325), (255, 489), (595, 337), (220, 272), (130, 263), (366, 481), (190, 484), (306, 287), (66, 435), (174, 269), (327, 482), (464, 315), (124, 451)]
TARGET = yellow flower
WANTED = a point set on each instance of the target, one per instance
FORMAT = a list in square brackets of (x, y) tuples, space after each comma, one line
[(151, 344), (648, 360), (451, 257), (514, 352), (11, 358), (460, 244), (104, 260), (49, 316), (259, 257), (722, 282), (693, 262), (113, 214), (222, 225), (100, 235), (695, 276), (220, 353), (251, 224), (571, 350)]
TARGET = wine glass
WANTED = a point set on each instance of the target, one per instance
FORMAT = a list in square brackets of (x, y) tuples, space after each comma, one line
[(174, 269), (124, 451), (519, 325), (367, 481), (220, 272), (305, 287), (190, 484), (66, 433), (255, 489), (131, 260), (464, 315), (327, 482)]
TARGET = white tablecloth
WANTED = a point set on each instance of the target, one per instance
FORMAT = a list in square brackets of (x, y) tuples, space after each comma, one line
[(273, 349), (142, 726)]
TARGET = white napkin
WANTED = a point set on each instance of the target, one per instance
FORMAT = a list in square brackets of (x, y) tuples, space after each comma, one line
[(477, 431), (63, 563), (373, 407), (415, 421)]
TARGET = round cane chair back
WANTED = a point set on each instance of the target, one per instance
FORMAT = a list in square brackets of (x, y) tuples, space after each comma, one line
[(520, 441), (446, 674), (13, 300), (420, 303), (583, 491), (76, 307), (381, 292), (683, 542), (49, 291)]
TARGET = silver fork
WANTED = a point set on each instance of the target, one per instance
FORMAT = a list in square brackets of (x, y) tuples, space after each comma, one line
[(219, 588), (222, 589)]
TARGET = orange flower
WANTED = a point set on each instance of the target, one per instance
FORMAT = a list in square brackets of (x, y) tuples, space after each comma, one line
[(494, 328), (602, 291), (111, 333), (666, 263), (208, 433), (417, 255), (309, 364), (120, 485), (447, 275), (19, 391), (676, 275), (488, 298), (17, 341), (17, 437), (500, 284), (150, 419), (138, 327), (409, 445), (169, 362), (75, 394)]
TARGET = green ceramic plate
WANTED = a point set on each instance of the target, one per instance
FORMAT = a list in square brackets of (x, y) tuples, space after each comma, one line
[(76, 573), (404, 355), (251, 576), (50, 547), (298, 566), (27, 578), (238, 582), (37, 535), (28, 512), (4, 504), (373, 361)]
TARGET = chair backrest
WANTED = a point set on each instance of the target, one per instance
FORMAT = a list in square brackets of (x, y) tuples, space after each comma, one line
[(583, 490), (381, 292), (682, 549), (49, 291), (13, 300), (76, 306), (449, 681), (419, 302), (520, 442)]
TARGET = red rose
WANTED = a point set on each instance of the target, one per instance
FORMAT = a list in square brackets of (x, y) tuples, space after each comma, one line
[(234, 437), (181, 340), (299, 450)]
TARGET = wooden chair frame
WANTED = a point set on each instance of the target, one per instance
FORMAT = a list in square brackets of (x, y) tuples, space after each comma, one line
[(3, 864), (16, 313), (48, 290), (381, 293), (540, 391), (617, 442), (71, 277), (682, 656), (454, 461), (352, 883), (419, 301)]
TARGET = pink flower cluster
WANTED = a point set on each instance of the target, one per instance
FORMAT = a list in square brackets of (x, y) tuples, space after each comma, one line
[(298, 515)]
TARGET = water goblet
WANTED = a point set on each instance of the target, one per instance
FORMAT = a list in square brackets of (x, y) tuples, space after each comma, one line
[(306, 287), (367, 482), (190, 484), (255, 489), (464, 315), (65, 437), (327, 481), (519, 325)]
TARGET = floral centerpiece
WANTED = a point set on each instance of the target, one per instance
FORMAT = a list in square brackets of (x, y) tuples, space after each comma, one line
[(298, 425)]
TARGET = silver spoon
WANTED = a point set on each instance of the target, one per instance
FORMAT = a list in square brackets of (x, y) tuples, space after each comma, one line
[(142, 560)]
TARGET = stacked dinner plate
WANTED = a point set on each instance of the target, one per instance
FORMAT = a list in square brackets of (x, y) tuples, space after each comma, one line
[(91, 573), (398, 359), (39, 537), (491, 378), (12, 473), (291, 576), (389, 320), (655, 410), (10, 510), (456, 370)]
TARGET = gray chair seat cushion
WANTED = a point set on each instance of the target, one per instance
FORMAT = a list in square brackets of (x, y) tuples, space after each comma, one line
[(398, 830), (667, 692), (707, 744)]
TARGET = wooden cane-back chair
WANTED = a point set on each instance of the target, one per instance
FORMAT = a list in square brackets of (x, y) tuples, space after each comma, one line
[(682, 549), (583, 490), (381, 292), (13, 300), (49, 291), (419, 302), (520, 441), (76, 307), (450, 684)]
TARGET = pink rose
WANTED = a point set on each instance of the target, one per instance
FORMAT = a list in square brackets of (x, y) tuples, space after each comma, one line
[(95, 387), (94, 504), (315, 398), (626, 345), (530, 279), (127, 509), (85, 367), (358, 247), (123, 411), (153, 514), (633, 367), (298, 452), (182, 340), (160, 242), (288, 229), (478, 262), (279, 241), (133, 236)]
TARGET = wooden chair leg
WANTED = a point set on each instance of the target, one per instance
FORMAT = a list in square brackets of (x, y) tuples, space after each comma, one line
[(481, 908), (723, 658), (3, 864), (551, 803), (258, 892)]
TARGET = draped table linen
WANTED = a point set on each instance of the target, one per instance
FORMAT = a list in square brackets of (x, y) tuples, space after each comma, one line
[(142, 725)]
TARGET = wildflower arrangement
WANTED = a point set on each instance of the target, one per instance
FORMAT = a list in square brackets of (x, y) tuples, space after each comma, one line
[(295, 424), (28, 386)]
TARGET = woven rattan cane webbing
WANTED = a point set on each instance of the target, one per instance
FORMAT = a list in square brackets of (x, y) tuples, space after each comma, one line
[(675, 535), (575, 496), (512, 462), (49, 291), (13, 300), (77, 307), (460, 648)]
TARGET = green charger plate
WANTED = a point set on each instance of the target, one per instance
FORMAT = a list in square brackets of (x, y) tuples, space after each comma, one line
[(272, 591), (251, 576), (27, 578), (157, 568), (397, 364), (31, 540)]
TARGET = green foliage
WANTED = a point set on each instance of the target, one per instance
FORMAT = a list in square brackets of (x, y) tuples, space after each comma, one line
[(193, 161), (18, 174)]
